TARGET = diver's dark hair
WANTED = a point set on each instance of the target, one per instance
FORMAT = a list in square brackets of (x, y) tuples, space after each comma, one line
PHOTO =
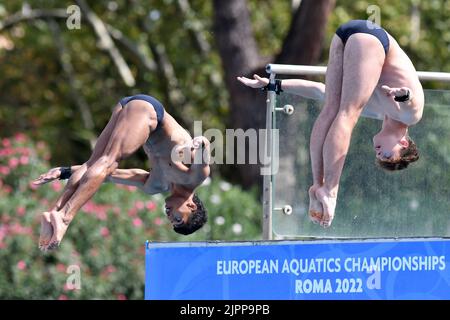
[(407, 156), (196, 220)]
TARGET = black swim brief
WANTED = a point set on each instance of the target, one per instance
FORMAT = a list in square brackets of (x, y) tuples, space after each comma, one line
[(363, 26), (159, 109)]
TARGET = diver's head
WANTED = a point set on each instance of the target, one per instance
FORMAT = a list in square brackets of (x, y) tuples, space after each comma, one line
[(186, 212), (393, 153)]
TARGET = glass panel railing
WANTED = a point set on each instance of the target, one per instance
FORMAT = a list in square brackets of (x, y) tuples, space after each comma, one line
[(372, 203)]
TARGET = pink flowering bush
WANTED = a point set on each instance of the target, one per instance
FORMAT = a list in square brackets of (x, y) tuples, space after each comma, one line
[(105, 242)]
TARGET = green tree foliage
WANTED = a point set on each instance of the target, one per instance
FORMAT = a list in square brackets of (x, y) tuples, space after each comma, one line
[(171, 52), (35, 92)]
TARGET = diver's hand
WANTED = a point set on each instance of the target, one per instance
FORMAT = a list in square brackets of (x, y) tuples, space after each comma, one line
[(47, 177), (200, 141), (255, 83), (397, 92), (201, 152)]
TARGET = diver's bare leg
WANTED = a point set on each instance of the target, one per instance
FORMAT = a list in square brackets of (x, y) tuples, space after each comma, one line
[(333, 87), (130, 132), (72, 184), (364, 58)]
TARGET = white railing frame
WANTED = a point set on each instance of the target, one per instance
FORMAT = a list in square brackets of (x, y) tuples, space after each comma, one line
[(288, 69)]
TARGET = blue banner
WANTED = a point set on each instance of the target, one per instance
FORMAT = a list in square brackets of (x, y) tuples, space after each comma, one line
[(287, 270)]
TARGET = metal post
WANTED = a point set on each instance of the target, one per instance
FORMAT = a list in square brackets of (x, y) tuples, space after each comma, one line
[(267, 184)]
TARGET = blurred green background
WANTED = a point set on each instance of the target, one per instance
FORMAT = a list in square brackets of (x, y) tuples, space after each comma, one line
[(58, 86)]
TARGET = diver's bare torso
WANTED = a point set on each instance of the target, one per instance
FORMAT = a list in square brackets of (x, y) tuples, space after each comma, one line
[(164, 171), (398, 71)]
